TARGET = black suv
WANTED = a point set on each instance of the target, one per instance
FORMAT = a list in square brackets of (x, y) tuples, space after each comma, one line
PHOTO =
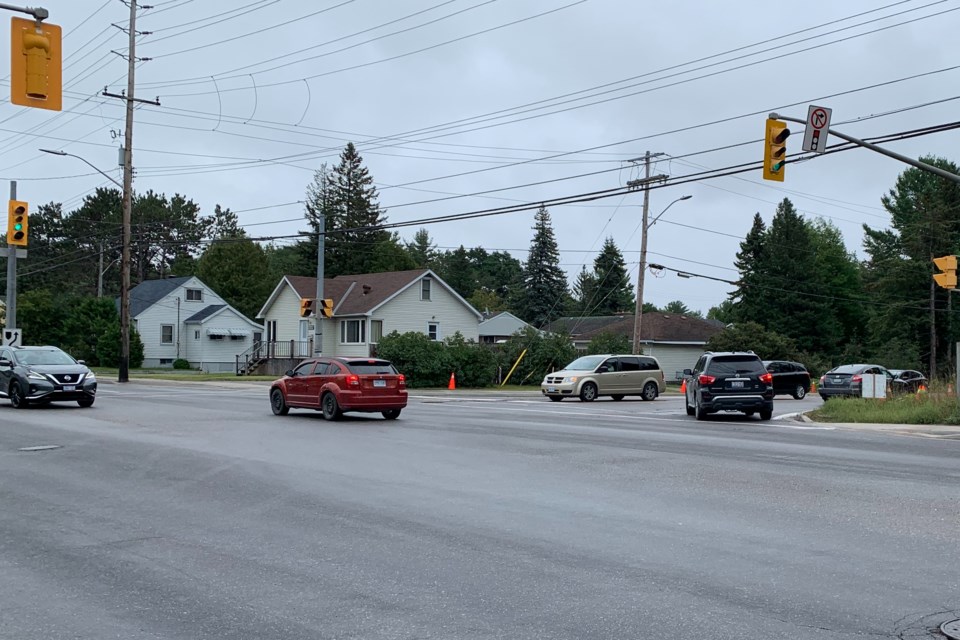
[(40, 375), (729, 381)]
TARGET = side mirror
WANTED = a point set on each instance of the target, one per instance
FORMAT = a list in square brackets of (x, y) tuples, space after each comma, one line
[(688, 372), (289, 373), (83, 362), (603, 368)]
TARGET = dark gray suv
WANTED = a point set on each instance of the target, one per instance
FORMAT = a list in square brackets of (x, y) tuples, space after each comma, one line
[(729, 381), (38, 375)]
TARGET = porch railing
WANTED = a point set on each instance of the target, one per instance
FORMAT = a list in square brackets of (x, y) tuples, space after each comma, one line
[(262, 350)]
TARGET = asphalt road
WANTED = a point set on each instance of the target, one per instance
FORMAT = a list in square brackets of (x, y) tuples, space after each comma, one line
[(175, 511)]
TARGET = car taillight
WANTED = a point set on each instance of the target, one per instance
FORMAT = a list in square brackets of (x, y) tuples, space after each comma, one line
[(401, 380), (353, 380), (822, 380), (856, 378), (766, 378), (705, 379)]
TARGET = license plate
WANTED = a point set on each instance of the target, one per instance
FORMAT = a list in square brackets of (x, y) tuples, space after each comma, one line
[(70, 388), (551, 389), (379, 383), (838, 381), (736, 384)]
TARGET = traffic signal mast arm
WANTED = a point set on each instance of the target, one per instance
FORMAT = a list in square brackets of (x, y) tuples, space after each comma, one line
[(863, 143), (39, 12)]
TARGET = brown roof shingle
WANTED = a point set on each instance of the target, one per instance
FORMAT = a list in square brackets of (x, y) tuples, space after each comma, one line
[(356, 294), (656, 326)]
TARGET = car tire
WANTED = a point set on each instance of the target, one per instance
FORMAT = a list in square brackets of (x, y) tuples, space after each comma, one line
[(330, 407), (766, 414), (278, 404), (617, 397), (749, 413), (588, 392), (86, 403), (689, 408), (700, 411), (800, 392), (391, 414), (555, 398), (650, 391), (823, 397), (17, 401)]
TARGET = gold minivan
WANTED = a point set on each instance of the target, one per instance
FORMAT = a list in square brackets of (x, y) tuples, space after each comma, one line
[(617, 376)]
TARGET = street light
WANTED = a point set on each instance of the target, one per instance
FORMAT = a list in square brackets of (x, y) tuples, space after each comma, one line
[(638, 313), (124, 370)]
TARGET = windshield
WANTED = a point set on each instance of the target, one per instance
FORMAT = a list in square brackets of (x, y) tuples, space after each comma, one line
[(372, 367), (586, 363), (43, 356), (729, 365)]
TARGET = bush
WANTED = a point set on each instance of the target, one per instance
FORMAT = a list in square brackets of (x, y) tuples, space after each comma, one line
[(108, 348), (427, 363), (544, 353), (180, 363), (606, 342)]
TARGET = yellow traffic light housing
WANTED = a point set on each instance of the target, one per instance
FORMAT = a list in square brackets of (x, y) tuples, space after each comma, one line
[(775, 150), (36, 59), (948, 278), (306, 307), (18, 223), (326, 307)]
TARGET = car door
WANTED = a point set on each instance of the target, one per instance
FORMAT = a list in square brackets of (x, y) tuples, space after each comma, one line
[(776, 369), (297, 383), (6, 371), (692, 383), (630, 380), (607, 376), (791, 377), (315, 381)]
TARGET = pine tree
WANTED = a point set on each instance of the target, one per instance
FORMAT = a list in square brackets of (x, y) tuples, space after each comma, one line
[(614, 294), (750, 297), (422, 250), (544, 294), (584, 292)]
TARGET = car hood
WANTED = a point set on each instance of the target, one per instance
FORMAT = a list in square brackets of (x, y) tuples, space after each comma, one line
[(567, 373)]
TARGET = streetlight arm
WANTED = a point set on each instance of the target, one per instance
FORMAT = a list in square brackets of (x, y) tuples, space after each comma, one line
[(88, 163), (654, 221)]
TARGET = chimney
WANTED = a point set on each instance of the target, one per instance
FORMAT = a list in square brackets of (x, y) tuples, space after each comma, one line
[(366, 289)]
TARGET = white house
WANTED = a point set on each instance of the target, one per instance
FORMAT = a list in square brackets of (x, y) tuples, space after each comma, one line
[(184, 318), (366, 307), (498, 327)]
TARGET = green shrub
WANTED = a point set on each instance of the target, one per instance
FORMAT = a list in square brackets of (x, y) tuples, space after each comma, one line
[(428, 363), (180, 363), (108, 347)]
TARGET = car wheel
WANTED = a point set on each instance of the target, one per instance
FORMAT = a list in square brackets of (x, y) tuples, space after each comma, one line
[(766, 414), (86, 403), (331, 409), (700, 411), (749, 413), (823, 397), (278, 403), (588, 392), (391, 414), (555, 398), (17, 401), (800, 392), (650, 391), (617, 397)]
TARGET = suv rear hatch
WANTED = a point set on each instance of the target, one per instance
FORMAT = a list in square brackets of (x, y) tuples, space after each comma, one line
[(735, 374)]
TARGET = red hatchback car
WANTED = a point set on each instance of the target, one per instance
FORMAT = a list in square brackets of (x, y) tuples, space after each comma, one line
[(336, 385)]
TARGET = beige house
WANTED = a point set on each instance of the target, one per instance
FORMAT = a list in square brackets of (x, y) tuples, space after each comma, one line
[(365, 308)]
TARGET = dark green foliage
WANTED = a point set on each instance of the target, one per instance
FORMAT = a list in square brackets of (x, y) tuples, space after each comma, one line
[(606, 342), (181, 364), (40, 318), (108, 347), (237, 269), (751, 336), (483, 278), (84, 325), (428, 363), (543, 296), (680, 308), (725, 312), (422, 250), (544, 353), (457, 270), (613, 292)]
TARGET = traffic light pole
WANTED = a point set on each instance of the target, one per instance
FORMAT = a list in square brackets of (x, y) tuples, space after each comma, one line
[(11, 321), (867, 145), (317, 315)]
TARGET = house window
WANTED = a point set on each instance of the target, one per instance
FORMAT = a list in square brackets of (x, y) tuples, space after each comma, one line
[(376, 331), (196, 334), (433, 330), (194, 295), (216, 336), (352, 331), (166, 334), (305, 330), (425, 289), (164, 361)]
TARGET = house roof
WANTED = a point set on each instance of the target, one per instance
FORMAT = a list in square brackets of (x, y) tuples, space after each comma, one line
[(205, 313), (149, 292), (362, 293), (656, 327)]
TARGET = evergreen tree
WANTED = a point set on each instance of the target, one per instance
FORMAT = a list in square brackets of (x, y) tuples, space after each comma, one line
[(225, 224), (724, 312), (422, 250), (614, 293), (457, 270), (750, 295), (235, 268), (680, 308), (543, 296), (584, 292)]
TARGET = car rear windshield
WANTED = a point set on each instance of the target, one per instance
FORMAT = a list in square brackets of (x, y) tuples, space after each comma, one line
[(371, 367), (847, 368), (730, 365)]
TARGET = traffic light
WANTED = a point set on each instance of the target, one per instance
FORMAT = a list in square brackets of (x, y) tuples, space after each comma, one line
[(36, 58), (326, 308), (18, 223), (306, 307), (948, 265), (775, 150)]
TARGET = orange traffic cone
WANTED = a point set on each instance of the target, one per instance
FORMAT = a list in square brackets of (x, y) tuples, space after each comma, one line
[(453, 382), (683, 386)]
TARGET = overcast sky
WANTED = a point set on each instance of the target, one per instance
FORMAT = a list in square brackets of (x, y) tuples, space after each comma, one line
[(255, 95)]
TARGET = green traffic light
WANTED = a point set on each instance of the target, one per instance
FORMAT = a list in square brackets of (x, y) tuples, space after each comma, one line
[(18, 227)]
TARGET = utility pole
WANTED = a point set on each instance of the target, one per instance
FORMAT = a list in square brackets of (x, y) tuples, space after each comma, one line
[(318, 305), (11, 322), (124, 373), (645, 184)]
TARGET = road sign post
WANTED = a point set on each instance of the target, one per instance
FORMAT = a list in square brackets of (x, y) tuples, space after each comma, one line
[(818, 125)]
